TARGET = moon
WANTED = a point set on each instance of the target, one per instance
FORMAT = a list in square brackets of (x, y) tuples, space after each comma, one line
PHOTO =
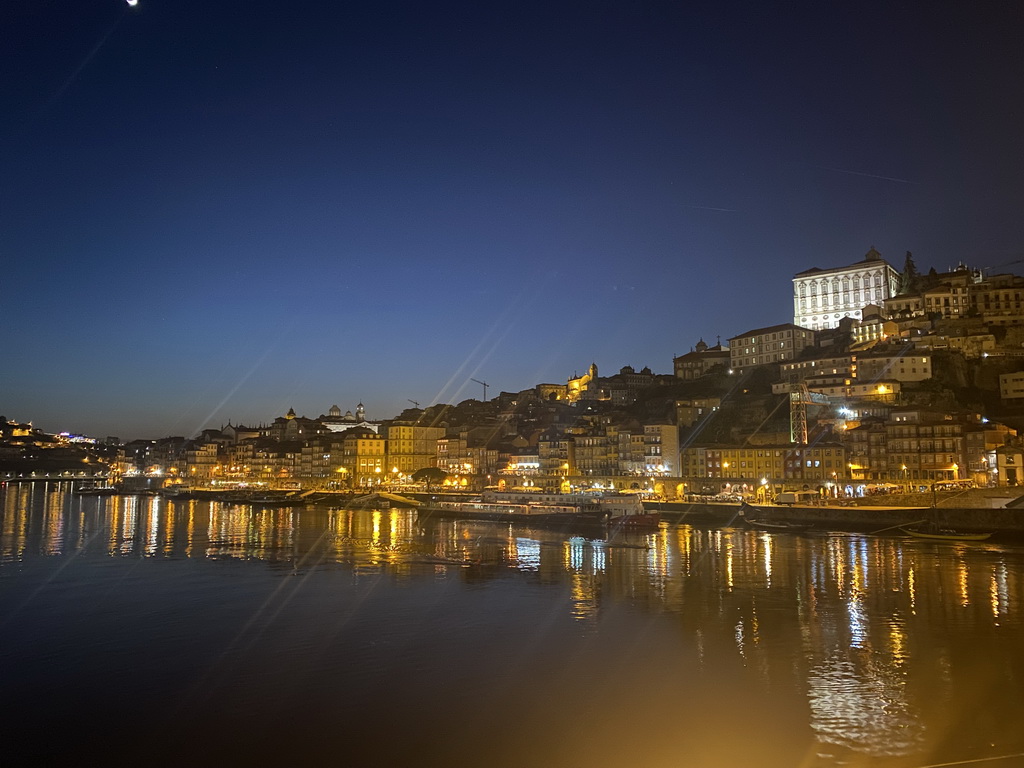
[(133, 2)]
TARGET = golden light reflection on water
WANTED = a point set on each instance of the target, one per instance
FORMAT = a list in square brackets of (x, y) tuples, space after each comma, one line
[(584, 599), (876, 635), (912, 589), (15, 525), (961, 569), (728, 563), (998, 590)]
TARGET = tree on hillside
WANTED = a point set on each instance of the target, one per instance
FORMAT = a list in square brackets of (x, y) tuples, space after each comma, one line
[(430, 476), (910, 277)]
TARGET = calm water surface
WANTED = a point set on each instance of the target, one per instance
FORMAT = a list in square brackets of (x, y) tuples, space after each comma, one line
[(136, 630)]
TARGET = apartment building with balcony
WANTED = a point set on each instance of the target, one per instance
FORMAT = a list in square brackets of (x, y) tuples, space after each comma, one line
[(661, 449), (925, 445)]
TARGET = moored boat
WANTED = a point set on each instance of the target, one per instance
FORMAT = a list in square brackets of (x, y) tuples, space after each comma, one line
[(638, 520), (946, 535), (546, 508), (770, 525), (781, 525)]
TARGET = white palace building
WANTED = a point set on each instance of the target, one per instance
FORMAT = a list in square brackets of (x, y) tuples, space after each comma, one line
[(823, 297)]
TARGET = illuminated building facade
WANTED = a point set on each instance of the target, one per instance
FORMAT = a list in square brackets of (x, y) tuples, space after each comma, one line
[(557, 453), (411, 447), (661, 449), (823, 297), (578, 387), (336, 422), (922, 444), (363, 457), (822, 462)]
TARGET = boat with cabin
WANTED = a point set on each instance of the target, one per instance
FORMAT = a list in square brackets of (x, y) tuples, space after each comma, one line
[(94, 488)]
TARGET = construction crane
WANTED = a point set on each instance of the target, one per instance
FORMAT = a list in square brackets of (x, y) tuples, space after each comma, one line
[(414, 403), (799, 399), (484, 384)]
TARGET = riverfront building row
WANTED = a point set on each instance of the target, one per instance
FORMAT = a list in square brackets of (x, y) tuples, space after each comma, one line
[(884, 376)]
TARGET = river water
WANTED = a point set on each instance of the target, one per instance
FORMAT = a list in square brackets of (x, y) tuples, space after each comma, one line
[(137, 630)]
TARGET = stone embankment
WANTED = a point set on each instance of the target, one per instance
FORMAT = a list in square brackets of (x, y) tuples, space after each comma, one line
[(1006, 523)]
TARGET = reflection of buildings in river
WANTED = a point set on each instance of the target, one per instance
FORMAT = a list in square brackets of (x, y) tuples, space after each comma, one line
[(848, 607), (54, 521), (33, 511), (16, 513), (999, 591), (368, 538), (124, 525), (245, 532), (858, 700), (871, 602), (680, 568), (527, 554), (857, 681)]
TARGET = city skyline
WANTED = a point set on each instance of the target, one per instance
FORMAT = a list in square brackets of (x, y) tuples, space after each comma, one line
[(217, 213)]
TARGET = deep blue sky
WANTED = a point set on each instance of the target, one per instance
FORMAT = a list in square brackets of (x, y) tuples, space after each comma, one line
[(220, 210)]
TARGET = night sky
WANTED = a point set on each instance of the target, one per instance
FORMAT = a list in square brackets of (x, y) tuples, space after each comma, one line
[(220, 210)]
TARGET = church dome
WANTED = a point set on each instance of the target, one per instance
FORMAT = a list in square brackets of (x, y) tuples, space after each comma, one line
[(335, 412)]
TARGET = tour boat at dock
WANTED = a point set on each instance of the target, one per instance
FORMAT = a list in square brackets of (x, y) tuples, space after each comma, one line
[(95, 489)]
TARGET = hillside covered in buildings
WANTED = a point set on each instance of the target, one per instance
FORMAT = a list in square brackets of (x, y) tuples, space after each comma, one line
[(885, 377)]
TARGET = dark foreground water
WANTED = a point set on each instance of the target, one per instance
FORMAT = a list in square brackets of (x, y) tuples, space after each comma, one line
[(146, 632)]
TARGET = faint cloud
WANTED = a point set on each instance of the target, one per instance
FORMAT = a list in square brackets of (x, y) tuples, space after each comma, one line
[(867, 175), (710, 208)]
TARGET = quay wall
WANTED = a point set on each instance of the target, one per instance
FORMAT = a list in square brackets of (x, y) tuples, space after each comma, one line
[(1005, 522)]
